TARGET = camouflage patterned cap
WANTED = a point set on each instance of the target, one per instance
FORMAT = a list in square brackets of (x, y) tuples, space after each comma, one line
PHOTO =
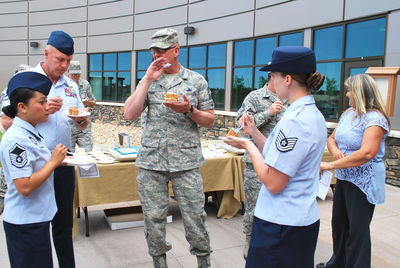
[(75, 67), (164, 38)]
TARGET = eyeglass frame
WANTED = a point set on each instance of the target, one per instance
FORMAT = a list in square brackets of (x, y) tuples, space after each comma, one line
[(154, 50)]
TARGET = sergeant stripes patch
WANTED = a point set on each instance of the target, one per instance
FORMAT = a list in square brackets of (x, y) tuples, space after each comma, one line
[(284, 144)]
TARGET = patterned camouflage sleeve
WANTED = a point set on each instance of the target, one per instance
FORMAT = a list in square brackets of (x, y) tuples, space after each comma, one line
[(249, 105), (205, 100), (90, 93)]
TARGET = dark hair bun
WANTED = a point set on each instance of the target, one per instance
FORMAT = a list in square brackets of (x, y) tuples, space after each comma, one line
[(9, 111), (315, 81)]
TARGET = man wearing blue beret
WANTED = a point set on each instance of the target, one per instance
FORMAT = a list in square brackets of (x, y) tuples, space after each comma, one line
[(63, 94)]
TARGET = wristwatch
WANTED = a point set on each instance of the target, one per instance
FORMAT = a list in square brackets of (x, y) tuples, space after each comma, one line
[(190, 111)]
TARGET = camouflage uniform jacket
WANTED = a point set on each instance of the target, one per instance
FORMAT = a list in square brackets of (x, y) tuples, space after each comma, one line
[(170, 140), (257, 103), (85, 92)]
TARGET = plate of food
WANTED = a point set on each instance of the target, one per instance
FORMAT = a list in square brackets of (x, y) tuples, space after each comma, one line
[(81, 160), (75, 112), (171, 98)]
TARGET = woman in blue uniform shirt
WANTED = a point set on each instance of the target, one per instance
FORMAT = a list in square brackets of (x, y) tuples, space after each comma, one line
[(286, 217), (28, 168), (358, 147)]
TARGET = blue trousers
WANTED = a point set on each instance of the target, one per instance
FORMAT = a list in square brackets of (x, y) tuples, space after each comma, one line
[(29, 245), (281, 246), (64, 186)]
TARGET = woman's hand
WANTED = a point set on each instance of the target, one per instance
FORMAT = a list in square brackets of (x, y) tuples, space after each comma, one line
[(337, 154), (59, 154), (249, 126), (325, 166), (240, 143)]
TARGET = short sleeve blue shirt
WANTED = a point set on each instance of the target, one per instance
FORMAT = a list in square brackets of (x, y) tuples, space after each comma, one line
[(370, 176), (294, 147), (22, 152), (58, 128)]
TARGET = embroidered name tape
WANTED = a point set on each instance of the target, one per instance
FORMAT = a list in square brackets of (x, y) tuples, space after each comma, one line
[(284, 144), (18, 156)]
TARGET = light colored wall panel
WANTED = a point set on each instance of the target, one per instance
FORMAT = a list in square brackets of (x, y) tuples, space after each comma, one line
[(124, 24), (80, 44), (392, 59), (14, 33), (240, 26), (13, 7), (43, 32), (7, 70), (266, 3), (110, 10), (107, 43), (146, 5), (93, 2), (161, 19), (13, 20), (360, 8), (58, 16), (39, 5), (217, 8), (142, 39), (13, 47), (296, 15), (35, 59)]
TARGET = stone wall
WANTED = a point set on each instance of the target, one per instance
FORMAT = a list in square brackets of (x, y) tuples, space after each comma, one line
[(114, 115)]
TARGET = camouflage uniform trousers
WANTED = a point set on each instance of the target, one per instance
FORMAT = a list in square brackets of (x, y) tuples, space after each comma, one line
[(188, 192), (3, 190), (252, 185), (82, 138)]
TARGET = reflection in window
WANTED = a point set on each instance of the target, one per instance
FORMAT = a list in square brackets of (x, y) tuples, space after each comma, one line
[(110, 76), (354, 71), (328, 43), (264, 49), (242, 85), (327, 97), (366, 38), (294, 39), (197, 57), (216, 83), (183, 52), (217, 55), (243, 53)]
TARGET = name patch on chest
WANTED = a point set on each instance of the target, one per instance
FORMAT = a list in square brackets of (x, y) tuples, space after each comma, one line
[(284, 144), (18, 156)]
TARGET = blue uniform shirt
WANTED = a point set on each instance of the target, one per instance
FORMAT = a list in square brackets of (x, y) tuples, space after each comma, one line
[(22, 152), (295, 147), (58, 128)]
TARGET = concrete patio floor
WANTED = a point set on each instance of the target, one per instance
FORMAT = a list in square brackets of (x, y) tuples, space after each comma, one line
[(127, 248)]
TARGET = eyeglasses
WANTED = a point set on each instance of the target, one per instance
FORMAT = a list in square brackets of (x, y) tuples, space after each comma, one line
[(155, 50)]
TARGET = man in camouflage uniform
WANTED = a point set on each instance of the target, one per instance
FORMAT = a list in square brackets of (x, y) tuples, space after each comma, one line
[(267, 109), (82, 137), (171, 149), (6, 123)]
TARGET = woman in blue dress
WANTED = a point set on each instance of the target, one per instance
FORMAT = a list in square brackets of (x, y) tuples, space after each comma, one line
[(358, 147), (28, 166), (286, 217)]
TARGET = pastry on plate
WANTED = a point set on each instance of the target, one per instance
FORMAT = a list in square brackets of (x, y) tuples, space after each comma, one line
[(232, 133), (73, 110), (171, 97)]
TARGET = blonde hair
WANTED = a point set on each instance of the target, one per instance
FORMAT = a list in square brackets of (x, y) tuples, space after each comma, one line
[(366, 94)]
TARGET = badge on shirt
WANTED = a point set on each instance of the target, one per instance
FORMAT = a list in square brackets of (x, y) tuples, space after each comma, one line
[(18, 156), (70, 92), (284, 144)]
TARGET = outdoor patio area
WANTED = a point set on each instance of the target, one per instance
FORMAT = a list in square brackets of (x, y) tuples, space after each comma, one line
[(127, 247)]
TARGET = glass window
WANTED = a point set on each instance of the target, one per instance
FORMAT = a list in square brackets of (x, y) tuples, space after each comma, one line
[(110, 61), (96, 62), (264, 48), (112, 81), (217, 55), (143, 60), (354, 71), (242, 85), (328, 43), (216, 83), (243, 53), (328, 96), (294, 39), (197, 57), (260, 78), (366, 38), (183, 52)]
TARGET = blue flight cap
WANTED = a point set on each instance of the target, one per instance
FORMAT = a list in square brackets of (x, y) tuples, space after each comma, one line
[(291, 59), (62, 41), (33, 80)]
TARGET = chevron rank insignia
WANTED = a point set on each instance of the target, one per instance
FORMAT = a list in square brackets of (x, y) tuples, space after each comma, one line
[(18, 156), (284, 144)]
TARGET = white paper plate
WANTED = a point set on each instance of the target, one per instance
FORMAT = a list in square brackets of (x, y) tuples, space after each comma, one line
[(79, 161), (224, 138), (82, 113), (170, 101)]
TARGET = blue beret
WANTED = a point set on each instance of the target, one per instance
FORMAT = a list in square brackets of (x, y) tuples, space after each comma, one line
[(62, 41), (292, 59), (33, 80)]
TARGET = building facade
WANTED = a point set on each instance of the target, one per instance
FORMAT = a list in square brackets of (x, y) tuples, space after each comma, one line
[(225, 40)]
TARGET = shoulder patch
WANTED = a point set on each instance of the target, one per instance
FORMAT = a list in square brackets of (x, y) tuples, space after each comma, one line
[(284, 144), (18, 156)]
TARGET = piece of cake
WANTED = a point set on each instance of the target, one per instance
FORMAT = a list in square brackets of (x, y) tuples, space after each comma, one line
[(73, 110), (171, 97), (232, 133)]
